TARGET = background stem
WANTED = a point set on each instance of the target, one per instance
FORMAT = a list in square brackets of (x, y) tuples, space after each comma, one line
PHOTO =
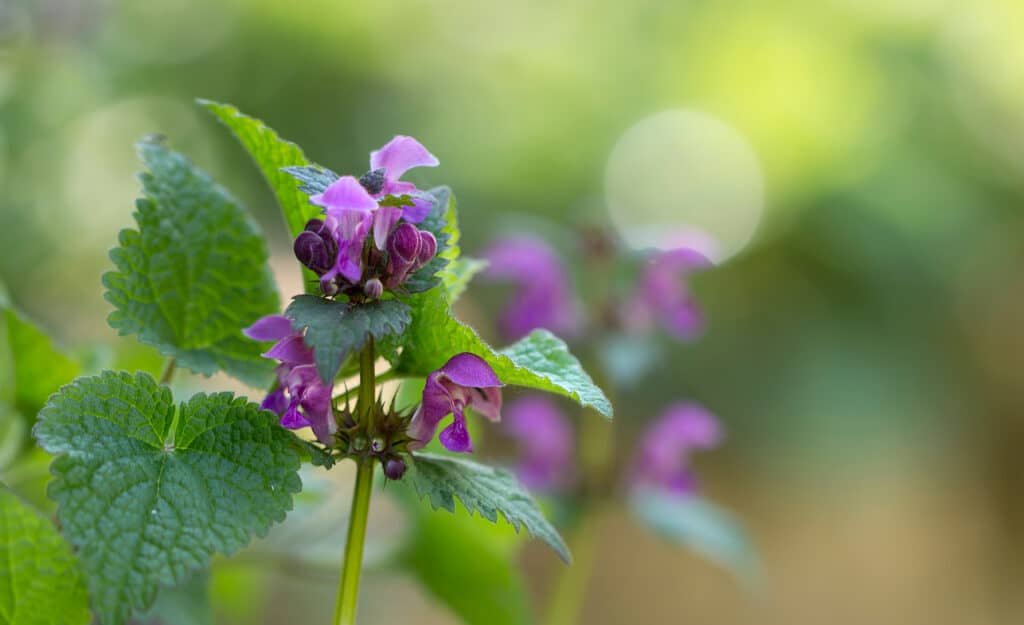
[(570, 589), (348, 583), (168, 373)]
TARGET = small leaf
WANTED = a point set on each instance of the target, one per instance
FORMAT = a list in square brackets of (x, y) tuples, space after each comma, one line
[(699, 525), (336, 329), (485, 589), (31, 366), (313, 180), (441, 222), (148, 492), (482, 489), (195, 272), (272, 155), (39, 580)]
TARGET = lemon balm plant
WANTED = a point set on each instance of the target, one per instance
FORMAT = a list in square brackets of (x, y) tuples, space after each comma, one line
[(150, 486)]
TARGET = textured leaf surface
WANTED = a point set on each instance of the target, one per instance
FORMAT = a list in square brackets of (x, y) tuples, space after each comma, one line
[(482, 489), (272, 155), (195, 272), (700, 525), (485, 589), (148, 492), (442, 223), (458, 275), (311, 180), (31, 366), (39, 580), (336, 329), (541, 360)]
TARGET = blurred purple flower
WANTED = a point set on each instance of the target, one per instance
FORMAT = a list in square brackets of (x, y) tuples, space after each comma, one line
[(663, 458), (544, 298), (662, 295), (465, 380), (546, 442), (300, 385)]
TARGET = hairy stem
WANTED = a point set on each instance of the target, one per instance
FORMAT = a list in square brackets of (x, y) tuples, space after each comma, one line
[(165, 377), (570, 589), (348, 583)]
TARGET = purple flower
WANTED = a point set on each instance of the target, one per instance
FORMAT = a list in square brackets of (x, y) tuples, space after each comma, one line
[(349, 213), (662, 295), (546, 443), (465, 380), (544, 298), (302, 399), (664, 455), (394, 159)]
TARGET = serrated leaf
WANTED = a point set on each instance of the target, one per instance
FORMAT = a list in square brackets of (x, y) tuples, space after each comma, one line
[(457, 275), (195, 272), (482, 489), (312, 180), (39, 579), (148, 492), (31, 366), (336, 329), (485, 589), (700, 525), (272, 155), (540, 360)]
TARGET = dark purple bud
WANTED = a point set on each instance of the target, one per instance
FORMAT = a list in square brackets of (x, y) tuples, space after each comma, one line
[(373, 181), (373, 288), (311, 251), (403, 252), (394, 468), (314, 225), (428, 247)]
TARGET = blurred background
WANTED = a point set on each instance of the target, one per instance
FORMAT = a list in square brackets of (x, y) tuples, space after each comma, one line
[(861, 164)]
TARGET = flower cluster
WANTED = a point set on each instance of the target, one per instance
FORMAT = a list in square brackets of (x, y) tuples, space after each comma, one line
[(367, 241)]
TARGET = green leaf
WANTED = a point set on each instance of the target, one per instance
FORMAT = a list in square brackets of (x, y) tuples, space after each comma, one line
[(195, 272), (272, 155), (700, 525), (336, 329), (40, 583), (541, 360), (148, 492), (482, 489), (485, 589), (313, 180), (457, 275), (442, 223), (31, 366)]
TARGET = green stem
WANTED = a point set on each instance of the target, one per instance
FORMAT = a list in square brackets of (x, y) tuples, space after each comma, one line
[(348, 585), (351, 566), (168, 373), (570, 589)]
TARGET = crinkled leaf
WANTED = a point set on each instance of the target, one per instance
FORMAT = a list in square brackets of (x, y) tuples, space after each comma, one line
[(485, 589), (195, 272), (272, 155), (312, 180), (31, 366), (148, 492), (457, 275), (482, 489), (336, 329), (700, 525), (541, 360), (40, 583)]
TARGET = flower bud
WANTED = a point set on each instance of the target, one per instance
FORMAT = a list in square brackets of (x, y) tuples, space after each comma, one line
[(428, 247), (403, 253), (373, 288), (311, 251), (359, 443), (377, 445), (394, 468), (329, 286), (373, 181)]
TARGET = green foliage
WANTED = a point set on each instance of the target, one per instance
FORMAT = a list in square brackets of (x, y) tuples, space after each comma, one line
[(336, 329), (484, 589), (148, 492), (184, 604), (195, 272), (482, 489), (31, 366), (39, 580), (700, 525), (458, 274), (441, 222), (272, 155)]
